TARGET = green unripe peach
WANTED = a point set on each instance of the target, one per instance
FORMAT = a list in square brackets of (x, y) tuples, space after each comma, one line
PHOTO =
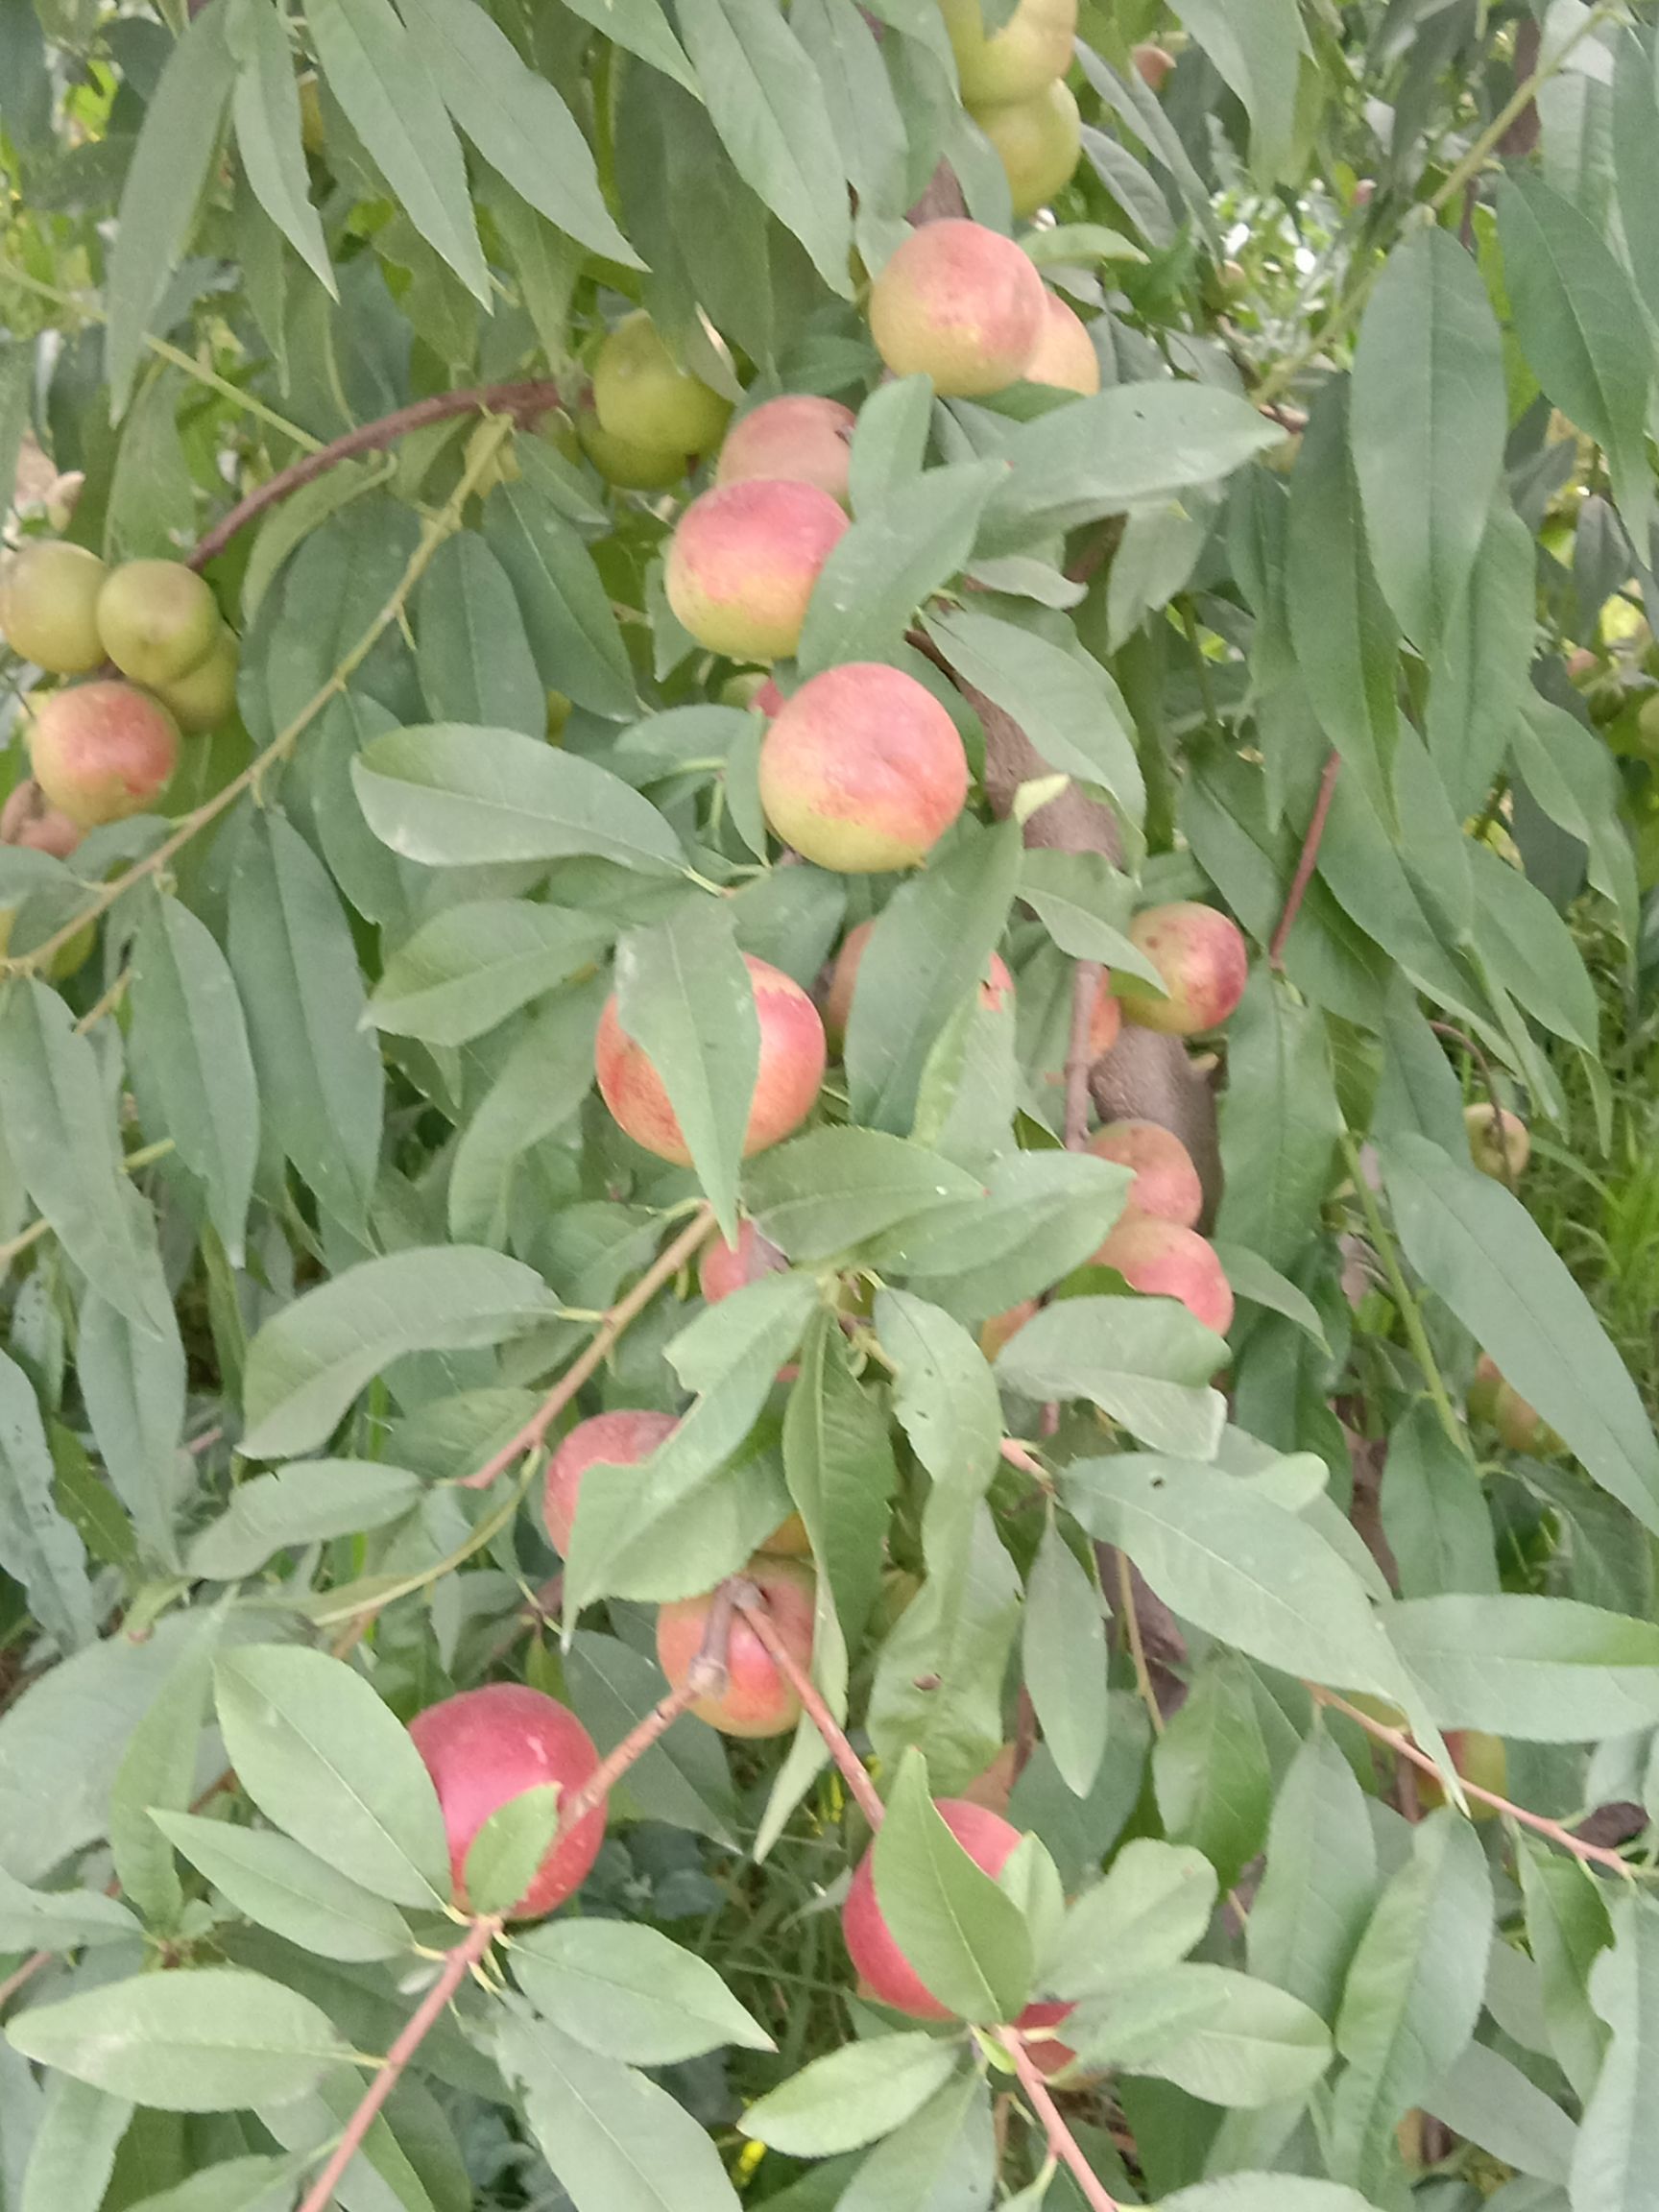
[(1038, 141), (640, 393), (205, 696), (1032, 48), (158, 620), (49, 607), (1497, 1142), (631, 468)]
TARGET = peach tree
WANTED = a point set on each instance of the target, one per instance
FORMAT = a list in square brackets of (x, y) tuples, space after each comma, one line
[(801, 809)]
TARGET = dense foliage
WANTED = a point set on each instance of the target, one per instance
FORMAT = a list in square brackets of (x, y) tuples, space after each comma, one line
[(650, 1222)]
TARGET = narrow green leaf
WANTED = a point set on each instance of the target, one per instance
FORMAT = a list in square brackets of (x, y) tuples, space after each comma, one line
[(1434, 1511), (60, 1919), (38, 1546), (1487, 2099), (628, 1992), (897, 554), (1041, 1215), (470, 646), (1146, 1361), (132, 1384), (1279, 1121), (305, 1503), (682, 1779), (1211, 1770), (1543, 1669), (1478, 677), (561, 597), (158, 1768), (544, 1079), (266, 111), (74, 2154), (851, 2096), (1150, 1909), (503, 1857), (1065, 1656), (280, 1886), (471, 966), (826, 1191), (1217, 2034), (1567, 1931), (1256, 47), (1320, 1881)]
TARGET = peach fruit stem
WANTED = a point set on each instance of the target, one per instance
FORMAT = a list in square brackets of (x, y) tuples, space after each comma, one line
[(1306, 864), (1136, 1643), (521, 401), (1085, 997), (433, 534), (1061, 2140), (854, 1772), (1403, 1748), (661, 1271)]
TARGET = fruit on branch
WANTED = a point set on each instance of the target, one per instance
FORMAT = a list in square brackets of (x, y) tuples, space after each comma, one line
[(961, 304), (158, 619), (642, 395), (26, 819), (1499, 1143), (792, 1059), (619, 1439), (742, 563), (1520, 1425), (631, 468), (101, 752), (1483, 1389), (862, 770), (1152, 64), (486, 1746), (1202, 959), (1479, 1758), (768, 700), (205, 697), (1032, 48), (757, 1699), (728, 1268), (49, 606), (1064, 356), (1038, 141), (1163, 1260), (997, 1332), (994, 992), (796, 439), (1166, 1181), (882, 1968)]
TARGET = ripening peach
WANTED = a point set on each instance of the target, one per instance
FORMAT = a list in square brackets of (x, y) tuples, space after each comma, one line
[(1038, 141), (1162, 1259), (204, 697), (792, 1059), (1166, 1181), (1031, 49), (1499, 1143), (728, 1268), (1478, 1758), (961, 304), (862, 770), (1202, 959), (997, 988), (1001, 1327), (758, 1701), (1065, 357), (799, 439), (158, 619), (883, 1970), (742, 563), (26, 819), (101, 752), (642, 395), (619, 1439), (49, 606), (486, 1746), (1152, 64)]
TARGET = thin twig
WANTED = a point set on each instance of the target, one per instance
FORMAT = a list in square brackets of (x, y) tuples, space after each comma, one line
[(1061, 2140), (1401, 1744), (854, 1772), (1085, 998), (1131, 1613), (520, 400), (1306, 864), (662, 1269)]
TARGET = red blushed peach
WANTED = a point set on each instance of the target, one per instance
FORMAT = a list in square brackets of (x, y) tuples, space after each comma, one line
[(1152, 64), (768, 700), (796, 439), (1001, 1327), (742, 563), (997, 988), (103, 751), (862, 771), (1064, 355), (1166, 1181), (488, 1746), (882, 1968), (728, 1268), (1162, 1259), (756, 1700), (620, 1439), (961, 304), (792, 1058), (1202, 959)]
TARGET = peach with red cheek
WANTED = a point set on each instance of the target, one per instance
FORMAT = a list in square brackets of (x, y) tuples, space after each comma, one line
[(1162, 1259), (1064, 356), (997, 988), (1166, 1181), (742, 563), (793, 1060), (27, 820), (486, 1746), (1200, 956), (728, 1268), (103, 751), (882, 1968), (1152, 64), (796, 439), (862, 770), (961, 304), (757, 1699), (619, 1439)]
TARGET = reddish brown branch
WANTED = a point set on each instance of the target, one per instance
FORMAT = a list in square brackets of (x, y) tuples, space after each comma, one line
[(1061, 2140), (854, 1772), (1403, 1748), (525, 400), (1308, 862)]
